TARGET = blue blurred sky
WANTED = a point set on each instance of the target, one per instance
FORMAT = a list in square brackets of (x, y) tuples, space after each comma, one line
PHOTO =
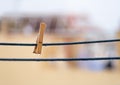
[(104, 13)]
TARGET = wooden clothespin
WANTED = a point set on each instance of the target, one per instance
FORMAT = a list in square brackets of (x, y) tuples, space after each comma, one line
[(39, 41)]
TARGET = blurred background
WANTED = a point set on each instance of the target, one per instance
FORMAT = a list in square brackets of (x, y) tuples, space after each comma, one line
[(67, 21)]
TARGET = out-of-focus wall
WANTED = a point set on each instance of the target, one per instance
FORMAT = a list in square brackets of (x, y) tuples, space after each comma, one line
[(61, 28)]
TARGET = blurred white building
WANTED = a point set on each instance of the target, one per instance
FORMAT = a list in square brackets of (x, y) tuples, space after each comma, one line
[(104, 13)]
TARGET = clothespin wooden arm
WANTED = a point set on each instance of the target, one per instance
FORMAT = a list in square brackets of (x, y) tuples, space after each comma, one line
[(39, 41)]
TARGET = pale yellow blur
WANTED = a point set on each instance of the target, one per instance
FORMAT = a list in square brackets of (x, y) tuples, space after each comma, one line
[(37, 73)]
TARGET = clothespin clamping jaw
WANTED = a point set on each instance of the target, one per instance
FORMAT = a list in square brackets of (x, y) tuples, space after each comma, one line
[(39, 41)]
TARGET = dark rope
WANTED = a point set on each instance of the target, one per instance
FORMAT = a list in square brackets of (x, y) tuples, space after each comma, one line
[(58, 44), (59, 59)]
